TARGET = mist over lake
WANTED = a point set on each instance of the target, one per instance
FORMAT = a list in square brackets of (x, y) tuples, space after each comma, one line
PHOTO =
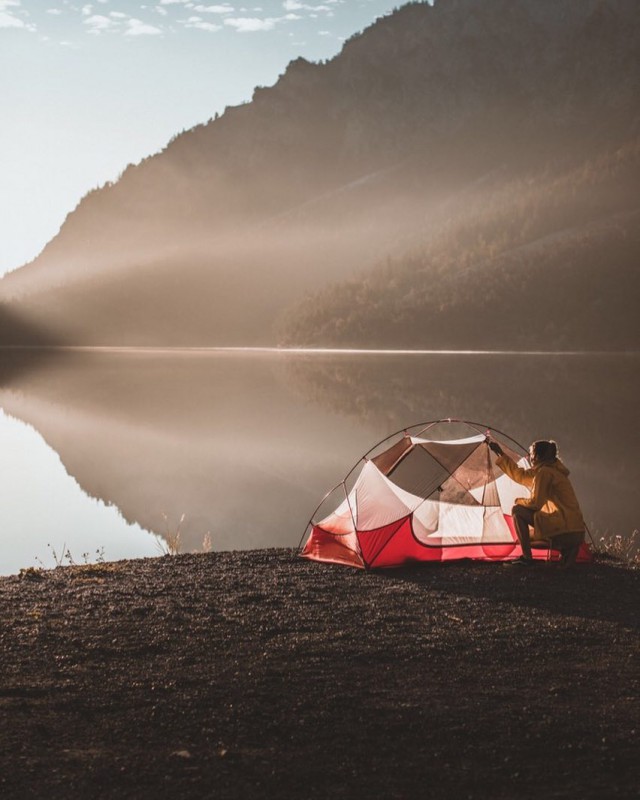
[(243, 445)]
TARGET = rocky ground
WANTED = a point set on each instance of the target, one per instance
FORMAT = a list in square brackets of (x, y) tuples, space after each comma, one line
[(260, 675)]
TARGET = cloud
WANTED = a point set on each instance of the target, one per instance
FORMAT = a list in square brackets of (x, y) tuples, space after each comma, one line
[(196, 22), (161, 10), (55, 11), (138, 28), (172, 2), (117, 21), (250, 24), (9, 21), (97, 24), (225, 9), (294, 5)]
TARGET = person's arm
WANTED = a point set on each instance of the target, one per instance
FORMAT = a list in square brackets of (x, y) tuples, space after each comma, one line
[(525, 477)]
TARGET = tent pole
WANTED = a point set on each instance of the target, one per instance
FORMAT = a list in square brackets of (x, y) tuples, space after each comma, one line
[(330, 492), (310, 522)]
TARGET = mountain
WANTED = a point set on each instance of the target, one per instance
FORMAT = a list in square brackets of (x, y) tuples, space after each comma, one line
[(451, 159), (547, 262)]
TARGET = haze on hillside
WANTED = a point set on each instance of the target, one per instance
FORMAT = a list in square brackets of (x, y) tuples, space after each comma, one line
[(451, 167)]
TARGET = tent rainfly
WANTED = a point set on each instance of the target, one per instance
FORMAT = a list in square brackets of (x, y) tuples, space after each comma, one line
[(432, 492)]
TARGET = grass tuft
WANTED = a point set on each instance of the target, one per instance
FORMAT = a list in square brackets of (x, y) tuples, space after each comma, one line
[(620, 548), (170, 542)]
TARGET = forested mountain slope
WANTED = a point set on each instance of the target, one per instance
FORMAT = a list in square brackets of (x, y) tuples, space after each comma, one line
[(549, 261), (428, 145)]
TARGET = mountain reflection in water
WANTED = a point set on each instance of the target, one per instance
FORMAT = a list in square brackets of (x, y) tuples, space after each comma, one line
[(245, 444)]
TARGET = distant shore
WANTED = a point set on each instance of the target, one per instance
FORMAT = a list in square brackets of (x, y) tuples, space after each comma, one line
[(323, 351), (260, 675)]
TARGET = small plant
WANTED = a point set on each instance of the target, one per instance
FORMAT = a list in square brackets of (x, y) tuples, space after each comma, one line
[(65, 558), (98, 559), (207, 542), (170, 542), (621, 548), (62, 558)]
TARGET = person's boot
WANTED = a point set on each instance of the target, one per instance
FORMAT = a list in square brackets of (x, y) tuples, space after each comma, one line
[(569, 556), (521, 561)]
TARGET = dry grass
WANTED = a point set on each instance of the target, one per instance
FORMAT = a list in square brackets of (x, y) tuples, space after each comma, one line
[(620, 548), (170, 542)]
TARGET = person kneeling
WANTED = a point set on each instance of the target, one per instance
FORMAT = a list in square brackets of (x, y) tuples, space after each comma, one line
[(552, 510)]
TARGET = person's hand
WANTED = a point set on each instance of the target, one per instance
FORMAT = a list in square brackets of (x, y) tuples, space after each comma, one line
[(495, 447)]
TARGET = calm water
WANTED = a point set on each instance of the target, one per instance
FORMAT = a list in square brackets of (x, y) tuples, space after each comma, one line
[(106, 452)]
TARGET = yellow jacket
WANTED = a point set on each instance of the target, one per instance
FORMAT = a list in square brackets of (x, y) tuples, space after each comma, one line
[(552, 497)]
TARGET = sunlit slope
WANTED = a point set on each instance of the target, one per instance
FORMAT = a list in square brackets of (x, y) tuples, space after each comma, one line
[(338, 167), (547, 260), (22, 329)]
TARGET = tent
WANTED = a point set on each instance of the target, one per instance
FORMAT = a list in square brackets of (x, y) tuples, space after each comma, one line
[(431, 492)]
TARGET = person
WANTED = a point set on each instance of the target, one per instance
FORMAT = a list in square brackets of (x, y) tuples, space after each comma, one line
[(552, 509)]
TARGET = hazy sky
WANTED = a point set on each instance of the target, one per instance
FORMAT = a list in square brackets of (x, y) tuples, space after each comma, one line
[(86, 88)]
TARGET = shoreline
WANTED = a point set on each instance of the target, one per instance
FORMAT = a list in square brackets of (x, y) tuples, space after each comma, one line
[(259, 674), (311, 351)]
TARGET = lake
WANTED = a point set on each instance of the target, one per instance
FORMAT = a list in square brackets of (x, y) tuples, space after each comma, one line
[(108, 454)]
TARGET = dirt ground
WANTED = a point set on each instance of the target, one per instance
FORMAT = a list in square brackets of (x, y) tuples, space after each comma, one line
[(261, 675)]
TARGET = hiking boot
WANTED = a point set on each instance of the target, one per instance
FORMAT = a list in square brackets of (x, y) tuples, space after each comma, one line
[(569, 556), (522, 561)]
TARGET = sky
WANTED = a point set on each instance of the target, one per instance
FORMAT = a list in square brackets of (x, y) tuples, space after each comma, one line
[(88, 88)]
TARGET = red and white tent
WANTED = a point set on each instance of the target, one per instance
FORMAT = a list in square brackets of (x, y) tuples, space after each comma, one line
[(429, 493)]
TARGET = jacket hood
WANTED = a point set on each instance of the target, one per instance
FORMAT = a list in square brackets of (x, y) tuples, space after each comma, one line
[(556, 465)]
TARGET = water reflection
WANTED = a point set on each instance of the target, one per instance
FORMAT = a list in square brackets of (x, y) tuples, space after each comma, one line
[(588, 403), (46, 519), (244, 445)]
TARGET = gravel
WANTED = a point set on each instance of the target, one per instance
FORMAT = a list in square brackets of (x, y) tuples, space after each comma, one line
[(261, 675)]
